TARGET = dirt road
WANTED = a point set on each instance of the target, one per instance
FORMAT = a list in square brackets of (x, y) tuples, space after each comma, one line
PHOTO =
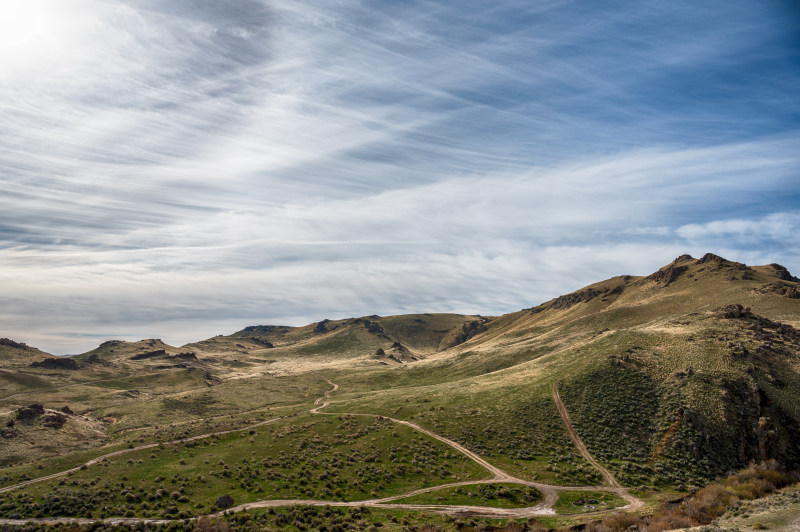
[(549, 492), (99, 459), (562, 410)]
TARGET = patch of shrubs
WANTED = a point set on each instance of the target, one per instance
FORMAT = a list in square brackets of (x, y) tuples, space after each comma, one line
[(704, 506)]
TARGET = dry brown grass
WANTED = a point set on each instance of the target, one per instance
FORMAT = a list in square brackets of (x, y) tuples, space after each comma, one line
[(704, 506), (211, 524)]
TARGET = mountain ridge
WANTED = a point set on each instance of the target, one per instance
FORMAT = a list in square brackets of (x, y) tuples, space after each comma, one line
[(700, 350)]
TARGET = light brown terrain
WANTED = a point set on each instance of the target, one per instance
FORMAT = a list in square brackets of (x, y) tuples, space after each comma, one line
[(644, 388)]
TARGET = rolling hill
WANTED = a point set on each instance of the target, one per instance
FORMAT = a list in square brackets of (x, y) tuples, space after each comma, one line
[(642, 388)]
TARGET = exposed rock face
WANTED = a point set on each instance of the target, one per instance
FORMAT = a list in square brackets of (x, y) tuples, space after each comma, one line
[(710, 257), (225, 501), (30, 412), (267, 329), (783, 274), (719, 263), (67, 410), (54, 420), (667, 275), (261, 341), (468, 330), (149, 354), (94, 359), (373, 326), (111, 343), (12, 343), (56, 363), (211, 379), (186, 356), (780, 289), (734, 312), (761, 326), (770, 445), (321, 327), (581, 296)]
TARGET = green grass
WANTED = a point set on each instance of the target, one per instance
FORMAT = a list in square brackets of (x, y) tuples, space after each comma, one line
[(648, 374), (497, 495), (578, 502), (316, 457)]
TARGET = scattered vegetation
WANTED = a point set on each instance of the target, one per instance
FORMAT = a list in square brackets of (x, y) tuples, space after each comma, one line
[(670, 381), (704, 506), (498, 495), (581, 501), (328, 458)]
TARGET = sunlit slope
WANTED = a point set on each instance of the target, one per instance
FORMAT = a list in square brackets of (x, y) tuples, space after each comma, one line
[(373, 339), (15, 355), (671, 378)]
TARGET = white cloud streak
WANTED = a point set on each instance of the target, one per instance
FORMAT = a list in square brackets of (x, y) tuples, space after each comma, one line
[(186, 166)]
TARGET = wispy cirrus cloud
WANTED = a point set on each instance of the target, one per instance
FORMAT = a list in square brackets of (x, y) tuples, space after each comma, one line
[(186, 167)]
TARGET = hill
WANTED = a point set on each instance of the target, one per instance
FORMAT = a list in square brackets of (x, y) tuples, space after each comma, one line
[(672, 378), (631, 391), (17, 354)]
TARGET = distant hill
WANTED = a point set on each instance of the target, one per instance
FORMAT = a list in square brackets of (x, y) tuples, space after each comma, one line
[(18, 354)]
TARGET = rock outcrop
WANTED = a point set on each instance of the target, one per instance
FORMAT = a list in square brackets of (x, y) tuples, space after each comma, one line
[(56, 363)]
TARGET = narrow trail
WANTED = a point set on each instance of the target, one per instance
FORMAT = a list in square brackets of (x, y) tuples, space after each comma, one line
[(562, 410), (633, 502), (99, 459), (499, 474), (549, 492)]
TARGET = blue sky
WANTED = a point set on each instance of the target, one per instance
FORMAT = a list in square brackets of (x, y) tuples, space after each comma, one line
[(184, 168)]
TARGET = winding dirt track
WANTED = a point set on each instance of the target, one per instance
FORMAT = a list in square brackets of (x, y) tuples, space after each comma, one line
[(99, 459), (562, 410), (550, 492)]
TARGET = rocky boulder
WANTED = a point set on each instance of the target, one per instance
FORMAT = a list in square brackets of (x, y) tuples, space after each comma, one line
[(149, 354), (30, 412), (54, 420), (666, 276), (12, 343), (225, 501), (56, 363), (782, 273)]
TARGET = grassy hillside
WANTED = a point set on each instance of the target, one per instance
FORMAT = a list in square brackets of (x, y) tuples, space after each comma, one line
[(670, 380)]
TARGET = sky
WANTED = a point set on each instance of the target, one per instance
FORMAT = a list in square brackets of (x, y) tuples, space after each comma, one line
[(184, 168)]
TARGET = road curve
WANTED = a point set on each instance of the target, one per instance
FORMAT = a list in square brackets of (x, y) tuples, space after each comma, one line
[(550, 492)]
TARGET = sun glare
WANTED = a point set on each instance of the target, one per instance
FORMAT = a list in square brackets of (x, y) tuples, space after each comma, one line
[(21, 23)]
